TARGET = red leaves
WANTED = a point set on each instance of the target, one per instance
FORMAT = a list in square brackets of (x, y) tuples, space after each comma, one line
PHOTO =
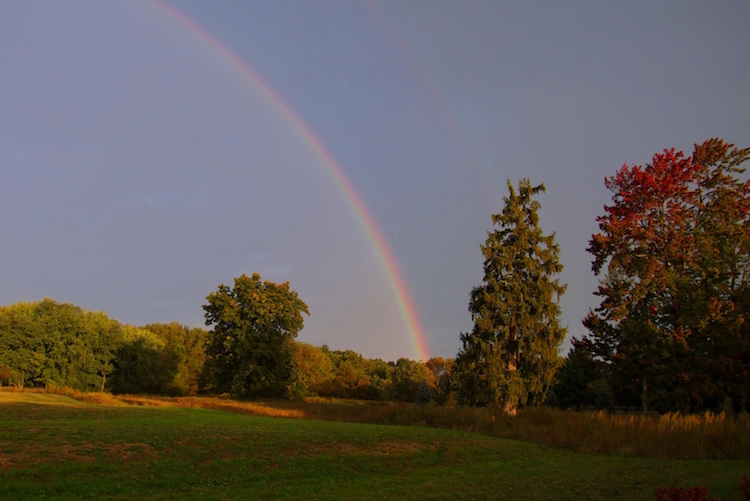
[(676, 244), (663, 187), (638, 189), (643, 231)]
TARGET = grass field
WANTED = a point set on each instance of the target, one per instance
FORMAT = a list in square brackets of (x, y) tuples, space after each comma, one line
[(52, 446)]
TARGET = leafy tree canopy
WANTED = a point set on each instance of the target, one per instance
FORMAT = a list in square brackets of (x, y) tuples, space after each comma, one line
[(47, 343), (673, 250), (251, 346)]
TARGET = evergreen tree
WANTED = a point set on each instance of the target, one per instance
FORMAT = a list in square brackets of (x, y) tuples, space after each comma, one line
[(579, 371), (424, 393), (510, 357)]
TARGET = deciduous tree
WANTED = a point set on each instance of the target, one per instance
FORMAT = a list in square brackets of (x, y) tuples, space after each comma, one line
[(441, 370), (673, 248), (251, 346), (47, 343), (186, 345), (316, 371), (144, 364)]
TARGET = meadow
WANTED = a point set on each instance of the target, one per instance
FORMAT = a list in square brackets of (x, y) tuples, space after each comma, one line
[(100, 446)]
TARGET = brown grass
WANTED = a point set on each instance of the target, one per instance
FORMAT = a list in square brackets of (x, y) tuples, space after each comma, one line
[(704, 436), (60, 453)]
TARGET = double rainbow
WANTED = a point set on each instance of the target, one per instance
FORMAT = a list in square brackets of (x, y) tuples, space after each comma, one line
[(374, 235)]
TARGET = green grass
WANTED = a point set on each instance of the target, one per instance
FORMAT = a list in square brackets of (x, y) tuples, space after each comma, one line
[(52, 446), (670, 436)]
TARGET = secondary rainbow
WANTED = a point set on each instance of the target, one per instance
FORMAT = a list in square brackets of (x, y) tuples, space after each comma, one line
[(375, 236)]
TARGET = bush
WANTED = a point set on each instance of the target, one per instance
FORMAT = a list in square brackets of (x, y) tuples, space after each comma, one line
[(745, 487), (696, 493)]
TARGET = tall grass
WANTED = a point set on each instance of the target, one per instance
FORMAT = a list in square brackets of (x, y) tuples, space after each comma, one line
[(676, 436), (705, 436), (669, 436)]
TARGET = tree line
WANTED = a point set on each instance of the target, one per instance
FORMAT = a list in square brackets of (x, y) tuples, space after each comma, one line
[(52, 344), (670, 334)]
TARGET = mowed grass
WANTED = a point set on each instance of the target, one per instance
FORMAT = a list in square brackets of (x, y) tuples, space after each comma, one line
[(52, 446)]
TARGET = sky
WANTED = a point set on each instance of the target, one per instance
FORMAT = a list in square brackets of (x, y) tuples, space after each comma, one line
[(150, 151)]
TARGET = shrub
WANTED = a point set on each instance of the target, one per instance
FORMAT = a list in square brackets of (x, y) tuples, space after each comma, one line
[(745, 487), (696, 493)]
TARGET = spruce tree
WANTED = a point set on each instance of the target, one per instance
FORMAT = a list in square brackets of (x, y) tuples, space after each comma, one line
[(510, 357)]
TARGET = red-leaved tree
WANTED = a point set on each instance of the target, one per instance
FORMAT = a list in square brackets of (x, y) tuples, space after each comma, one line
[(673, 252)]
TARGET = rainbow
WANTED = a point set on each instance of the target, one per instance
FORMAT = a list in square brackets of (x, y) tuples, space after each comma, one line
[(486, 184), (374, 235)]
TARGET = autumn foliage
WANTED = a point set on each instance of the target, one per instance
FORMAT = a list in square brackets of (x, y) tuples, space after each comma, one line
[(673, 251)]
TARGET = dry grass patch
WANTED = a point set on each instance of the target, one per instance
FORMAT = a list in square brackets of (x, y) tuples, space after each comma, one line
[(36, 454), (130, 451), (213, 403), (40, 453)]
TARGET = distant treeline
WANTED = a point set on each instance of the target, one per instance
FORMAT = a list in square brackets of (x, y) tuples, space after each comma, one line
[(53, 344)]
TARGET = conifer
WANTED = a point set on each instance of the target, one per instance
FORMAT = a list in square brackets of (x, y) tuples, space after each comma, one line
[(510, 357)]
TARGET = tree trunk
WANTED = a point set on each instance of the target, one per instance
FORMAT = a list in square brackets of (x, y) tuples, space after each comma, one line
[(509, 407), (644, 395)]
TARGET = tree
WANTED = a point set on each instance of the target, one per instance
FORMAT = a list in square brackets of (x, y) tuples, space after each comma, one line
[(577, 378), (351, 378), (674, 250), (441, 370), (47, 343), (407, 375), (22, 348), (316, 371), (188, 346), (106, 335), (720, 345), (510, 357), (424, 393), (251, 346), (144, 364)]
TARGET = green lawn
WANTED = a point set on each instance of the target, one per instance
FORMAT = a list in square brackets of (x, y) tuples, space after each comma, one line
[(52, 446)]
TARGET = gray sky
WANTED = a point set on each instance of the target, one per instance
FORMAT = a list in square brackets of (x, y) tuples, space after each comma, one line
[(140, 167)]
